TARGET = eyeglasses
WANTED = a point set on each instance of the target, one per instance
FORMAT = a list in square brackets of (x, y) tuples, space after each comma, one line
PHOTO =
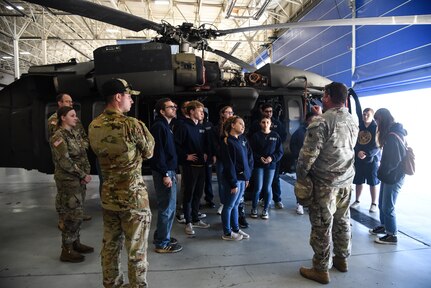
[(171, 107), (228, 112)]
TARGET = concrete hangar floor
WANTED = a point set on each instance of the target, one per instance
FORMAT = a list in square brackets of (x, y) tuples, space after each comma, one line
[(30, 245)]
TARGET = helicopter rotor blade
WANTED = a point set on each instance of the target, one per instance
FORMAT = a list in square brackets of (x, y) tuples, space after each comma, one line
[(233, 59), (101, 13), (390, 20)]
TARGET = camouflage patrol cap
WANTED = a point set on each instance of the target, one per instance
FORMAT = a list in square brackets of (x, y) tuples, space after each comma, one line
[(114, 86)]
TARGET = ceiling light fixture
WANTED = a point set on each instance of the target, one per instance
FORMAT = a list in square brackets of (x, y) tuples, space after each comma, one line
[(8, 7), (110, 30), (24, 53), (161, 2), (261, 10), (7, 57)]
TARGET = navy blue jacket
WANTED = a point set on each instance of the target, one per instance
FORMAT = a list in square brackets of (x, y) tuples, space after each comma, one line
[(165, 156), (264, 145), (190, 138), (391, 171), (237, 159)]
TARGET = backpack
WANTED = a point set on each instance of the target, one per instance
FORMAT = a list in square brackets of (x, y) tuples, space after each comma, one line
[(408, 162)]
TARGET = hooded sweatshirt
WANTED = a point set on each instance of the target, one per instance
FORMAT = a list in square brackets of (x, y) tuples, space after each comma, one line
[(391, 171)]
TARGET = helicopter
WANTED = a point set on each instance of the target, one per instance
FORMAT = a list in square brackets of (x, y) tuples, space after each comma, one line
[(152, 69)]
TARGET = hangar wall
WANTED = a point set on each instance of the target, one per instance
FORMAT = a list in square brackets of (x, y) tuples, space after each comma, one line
[(386, 58)]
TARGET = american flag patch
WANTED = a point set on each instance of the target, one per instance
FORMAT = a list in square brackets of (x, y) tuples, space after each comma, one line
[(58, 142)]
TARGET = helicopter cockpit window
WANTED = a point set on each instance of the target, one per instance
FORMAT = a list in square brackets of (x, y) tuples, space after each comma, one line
[(294, 115), (52, 107), (97, 109)]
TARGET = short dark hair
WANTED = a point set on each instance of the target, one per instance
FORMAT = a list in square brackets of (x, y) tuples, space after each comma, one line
[(161, 104), (337, 91), (62, 112), (59, 96), (265, 105)]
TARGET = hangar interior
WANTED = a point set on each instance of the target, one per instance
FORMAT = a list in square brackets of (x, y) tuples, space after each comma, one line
[(388, 66)]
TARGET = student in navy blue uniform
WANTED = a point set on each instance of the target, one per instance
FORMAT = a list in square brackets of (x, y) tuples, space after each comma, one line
[(192, 149), (216, 137), (163, 166), (208, 189), (267, 111), (237, 160), (267, 151), (367, 159), (390, 173)]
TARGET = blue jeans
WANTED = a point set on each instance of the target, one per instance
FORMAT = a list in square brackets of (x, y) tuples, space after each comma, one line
[(229, 215), (220, 180), (262, 185), (166, 203), (387, 199)]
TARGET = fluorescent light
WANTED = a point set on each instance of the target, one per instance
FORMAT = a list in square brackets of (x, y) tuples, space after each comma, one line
[(161, 2), (7, 57), (11, 8), (24, 53), (109, 30)]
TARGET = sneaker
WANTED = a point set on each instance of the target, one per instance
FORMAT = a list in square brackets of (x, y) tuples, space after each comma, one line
[(355, 205), (202, 215), (220, 209), (299, 209), (253, 213), (242, 222), (265, 215), (262, 202), (180, 218), (200, 224), (171, 248), (210, 204), (189, 229), (172, 241), (373, 208), (279, 205), (232, 237), (377, 230), (387, 239), (244, 235)]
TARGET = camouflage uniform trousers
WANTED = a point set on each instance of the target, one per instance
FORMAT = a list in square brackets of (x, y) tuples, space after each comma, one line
[(68, 204), (131, 227), (330, 221)]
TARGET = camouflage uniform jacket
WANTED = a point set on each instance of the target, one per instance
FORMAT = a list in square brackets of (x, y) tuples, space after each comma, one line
[(52, 127), (69, 155), (121, 143), (327, 155)]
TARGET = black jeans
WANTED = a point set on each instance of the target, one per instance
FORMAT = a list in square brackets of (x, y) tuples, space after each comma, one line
[(194, 181)]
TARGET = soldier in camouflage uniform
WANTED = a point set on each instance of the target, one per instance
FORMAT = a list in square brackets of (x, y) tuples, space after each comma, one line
[(121, 143), (71, 175), (63, 100), (327, 158)]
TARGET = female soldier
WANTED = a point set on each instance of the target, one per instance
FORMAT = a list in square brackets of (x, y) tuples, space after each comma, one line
[(71, 175), (237, 166)]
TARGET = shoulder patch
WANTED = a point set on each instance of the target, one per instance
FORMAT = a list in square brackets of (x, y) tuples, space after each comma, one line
[(58, 142)]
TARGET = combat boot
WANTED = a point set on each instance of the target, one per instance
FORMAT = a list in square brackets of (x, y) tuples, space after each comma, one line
[(340, 263), (315, 275), (70, 255), (81, 248), (241, 216)]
